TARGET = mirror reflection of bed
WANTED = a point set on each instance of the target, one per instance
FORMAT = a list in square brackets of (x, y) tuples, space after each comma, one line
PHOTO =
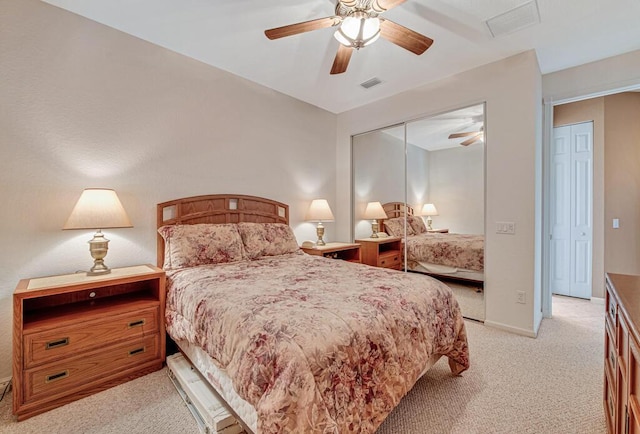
[(454, 258), (432, 168)]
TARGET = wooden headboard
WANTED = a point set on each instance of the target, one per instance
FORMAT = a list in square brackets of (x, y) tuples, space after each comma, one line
[(395, 209), (218, 208)]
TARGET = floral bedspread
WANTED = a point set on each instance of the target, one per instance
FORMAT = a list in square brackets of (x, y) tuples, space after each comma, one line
[(316, 344), (454, 250)]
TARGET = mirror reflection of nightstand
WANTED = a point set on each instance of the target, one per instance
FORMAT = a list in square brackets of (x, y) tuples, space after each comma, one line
[(382, 252), (439, 231)]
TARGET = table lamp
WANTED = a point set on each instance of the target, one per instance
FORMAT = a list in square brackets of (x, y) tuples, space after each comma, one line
[(319, 211), (374, 212), (429, 209), (98, 208)]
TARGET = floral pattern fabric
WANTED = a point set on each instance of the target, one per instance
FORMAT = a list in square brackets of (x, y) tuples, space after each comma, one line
[(395, 227), (267, 239), (453, 250), (417, 224), (199, 244), (316, 345)]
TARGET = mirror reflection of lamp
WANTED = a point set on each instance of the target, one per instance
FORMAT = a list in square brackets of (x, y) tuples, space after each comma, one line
[(429, 210), (319, 211), (374, 212), (98, 208)]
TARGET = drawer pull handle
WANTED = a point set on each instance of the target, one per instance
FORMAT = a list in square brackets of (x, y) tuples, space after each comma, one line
[(612, 359), (137, 351), (137, 323), (58, 376), (56, 344), (610, 405)]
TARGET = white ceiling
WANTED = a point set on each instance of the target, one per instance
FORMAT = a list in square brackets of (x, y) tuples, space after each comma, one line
[(229, 34)]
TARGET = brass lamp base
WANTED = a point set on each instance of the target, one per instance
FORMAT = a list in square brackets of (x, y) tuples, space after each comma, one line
[(98, 246), (320, 233), (374, 229)]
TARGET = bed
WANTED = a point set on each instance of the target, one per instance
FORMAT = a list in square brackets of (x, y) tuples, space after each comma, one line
[(293, 342), (448, 255)]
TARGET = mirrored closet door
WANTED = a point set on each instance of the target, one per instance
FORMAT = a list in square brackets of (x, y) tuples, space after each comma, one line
[(432, 194)]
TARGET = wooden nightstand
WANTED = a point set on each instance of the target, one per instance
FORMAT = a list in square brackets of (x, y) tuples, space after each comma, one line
[(75, 335), (439, 231), (347, 251), (382, 252)]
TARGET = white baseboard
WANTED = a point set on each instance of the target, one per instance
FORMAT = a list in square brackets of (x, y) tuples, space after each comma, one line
[(516, 330), (597, 300)]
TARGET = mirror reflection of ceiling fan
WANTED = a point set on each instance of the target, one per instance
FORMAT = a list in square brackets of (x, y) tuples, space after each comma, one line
[(474, 136), (359, 24)]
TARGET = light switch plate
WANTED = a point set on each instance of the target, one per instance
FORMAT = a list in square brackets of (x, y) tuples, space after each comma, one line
[(616, 223), (508, 228)]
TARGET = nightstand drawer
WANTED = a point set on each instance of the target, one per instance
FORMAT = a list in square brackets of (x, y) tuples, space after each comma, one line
[(65, 375), (67, 341), (390, 259)]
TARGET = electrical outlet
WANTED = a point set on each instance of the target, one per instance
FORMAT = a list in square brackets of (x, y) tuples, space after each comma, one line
[(520, 297), (508, 228)]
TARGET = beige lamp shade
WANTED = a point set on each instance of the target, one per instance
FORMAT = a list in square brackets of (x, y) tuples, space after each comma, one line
[(319, 211), (374, 211), (429, 209), (98, 208)]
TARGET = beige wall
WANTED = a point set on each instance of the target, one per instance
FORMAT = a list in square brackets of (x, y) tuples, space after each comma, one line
[(83, 105), (512, 89), (622, 182), (603, 76), (616, 180), (584, 111)]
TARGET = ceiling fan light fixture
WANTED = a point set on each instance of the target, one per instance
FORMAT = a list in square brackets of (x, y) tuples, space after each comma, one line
[(358, 31)]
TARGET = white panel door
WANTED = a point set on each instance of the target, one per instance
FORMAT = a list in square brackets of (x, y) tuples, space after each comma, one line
[(581, 208), (571, 210), (560, 212)]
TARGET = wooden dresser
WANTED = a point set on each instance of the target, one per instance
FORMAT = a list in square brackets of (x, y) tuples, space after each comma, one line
[(75, 335), (622, 354)]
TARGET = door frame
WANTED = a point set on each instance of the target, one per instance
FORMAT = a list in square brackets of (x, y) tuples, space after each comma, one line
[(548, 105)]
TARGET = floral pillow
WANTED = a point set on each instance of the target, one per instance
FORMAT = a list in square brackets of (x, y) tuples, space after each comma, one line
[(267, 239), (199, 244), (417, 224), (395, 227)]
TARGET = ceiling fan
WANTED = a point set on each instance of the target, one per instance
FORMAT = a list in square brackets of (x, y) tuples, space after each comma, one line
[(359, 24), (474, 136)]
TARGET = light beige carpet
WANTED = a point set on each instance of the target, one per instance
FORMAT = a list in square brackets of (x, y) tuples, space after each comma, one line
[(470, 299), (552, 384)]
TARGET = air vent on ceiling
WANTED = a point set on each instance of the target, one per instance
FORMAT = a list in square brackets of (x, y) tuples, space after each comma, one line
[(515, 19), (370, 83)]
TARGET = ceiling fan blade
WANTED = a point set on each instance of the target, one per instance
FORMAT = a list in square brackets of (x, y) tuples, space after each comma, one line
[(384, 5), (403, 37), (341, 62), (472, 140), (458, 135), (306, 26)]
